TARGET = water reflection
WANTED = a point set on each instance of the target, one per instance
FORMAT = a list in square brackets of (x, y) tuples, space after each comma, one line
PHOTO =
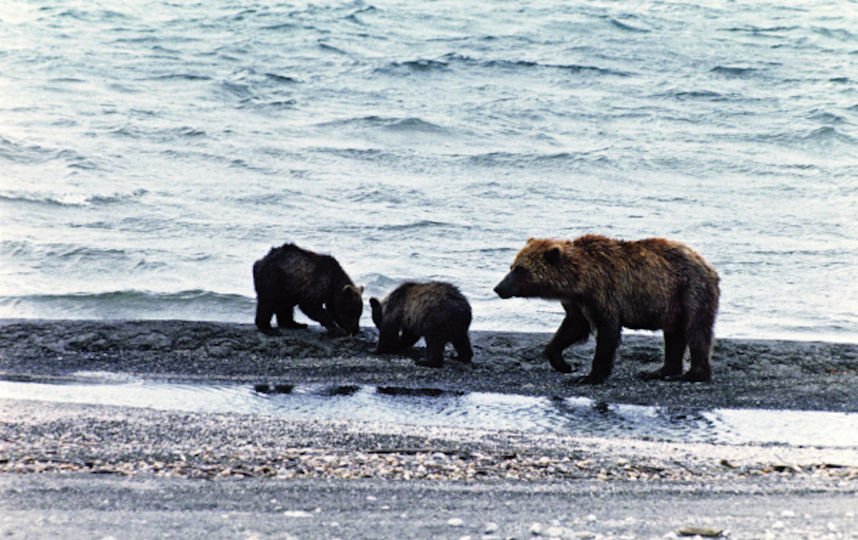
[(438, 407)]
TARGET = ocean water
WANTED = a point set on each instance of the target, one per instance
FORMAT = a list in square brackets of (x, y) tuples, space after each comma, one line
[(151, 151)]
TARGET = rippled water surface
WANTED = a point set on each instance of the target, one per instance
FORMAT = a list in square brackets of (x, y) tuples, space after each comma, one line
[(151, 151), (482, 410)]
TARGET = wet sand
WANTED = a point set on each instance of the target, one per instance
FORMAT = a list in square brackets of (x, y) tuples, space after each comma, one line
[(747, 373), (66, 468)]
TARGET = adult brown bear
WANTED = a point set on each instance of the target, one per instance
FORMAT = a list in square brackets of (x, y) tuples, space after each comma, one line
[(606, 284), (288, 276)]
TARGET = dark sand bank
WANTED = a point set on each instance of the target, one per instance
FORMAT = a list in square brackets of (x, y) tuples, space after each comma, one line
[(747, 373)]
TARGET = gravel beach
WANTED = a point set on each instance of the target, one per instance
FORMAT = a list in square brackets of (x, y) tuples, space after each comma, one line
[(135, 472)]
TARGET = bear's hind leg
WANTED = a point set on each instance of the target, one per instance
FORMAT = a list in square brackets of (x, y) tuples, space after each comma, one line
[(434, 352), (286, 319), (464, 352), (407, 340), (674, 351), (700, 336), (700, 347)]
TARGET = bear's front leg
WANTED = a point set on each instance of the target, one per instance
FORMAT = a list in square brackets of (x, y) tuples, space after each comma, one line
[(263, 318), (573, 329), (555, 358), (607, 341)]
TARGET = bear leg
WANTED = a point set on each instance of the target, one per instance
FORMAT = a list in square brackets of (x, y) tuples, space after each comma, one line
[(674, 351), (318, 313), (701, 368), (573, 329), (434, 353), (263, 318), (464, 352), (407, 340), (387, 343), (607, 341), (700, 338), (286, 319)]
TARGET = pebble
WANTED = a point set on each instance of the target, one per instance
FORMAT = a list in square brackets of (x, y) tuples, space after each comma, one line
[(491, 527), (297, 514), (536, 529), (455, 522), (288, 463), (555, 531)]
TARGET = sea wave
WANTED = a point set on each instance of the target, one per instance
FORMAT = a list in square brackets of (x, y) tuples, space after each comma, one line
[(421, 224), (70, 199), (628, 27), (530, 160), (450, 60), (391, 123), (193, 304), (32, 154)]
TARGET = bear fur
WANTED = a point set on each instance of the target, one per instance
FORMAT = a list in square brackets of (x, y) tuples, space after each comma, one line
[(606, 284), (288, 276), (436, 311)]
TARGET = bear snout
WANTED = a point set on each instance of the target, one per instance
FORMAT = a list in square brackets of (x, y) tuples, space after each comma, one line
[(505, 288)]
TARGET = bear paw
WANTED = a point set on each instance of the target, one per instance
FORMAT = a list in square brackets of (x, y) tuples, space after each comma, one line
[(292, 325), (692, 376), (659, 374), (429, 363), (589, 379), (273, 332), (337, 332), (557, 362)]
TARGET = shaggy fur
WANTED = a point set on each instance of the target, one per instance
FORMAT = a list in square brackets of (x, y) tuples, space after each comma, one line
[(436, 311), (607, 284), (290, 276)]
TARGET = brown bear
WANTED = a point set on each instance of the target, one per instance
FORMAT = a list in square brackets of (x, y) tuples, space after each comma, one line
[(290, 276), (437, 311), (607, 284)]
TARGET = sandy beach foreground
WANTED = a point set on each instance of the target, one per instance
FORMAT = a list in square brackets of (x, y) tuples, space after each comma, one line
[(134, 472)]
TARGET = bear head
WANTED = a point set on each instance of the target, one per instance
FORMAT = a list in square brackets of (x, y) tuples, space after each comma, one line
[(346, 308), (539, 270)]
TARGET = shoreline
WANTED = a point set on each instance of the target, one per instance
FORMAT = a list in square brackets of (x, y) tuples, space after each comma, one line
[(750, 374), (72, 468)]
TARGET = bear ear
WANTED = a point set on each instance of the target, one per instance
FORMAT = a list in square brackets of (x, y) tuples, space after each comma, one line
[(553, 254), (374, 303), (353, 289)]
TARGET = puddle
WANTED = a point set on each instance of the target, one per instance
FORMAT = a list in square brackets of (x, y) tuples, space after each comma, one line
[(428, 406)]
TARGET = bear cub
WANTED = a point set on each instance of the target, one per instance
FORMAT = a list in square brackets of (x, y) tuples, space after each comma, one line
[(436, 311), (288, 276), (606, 284)]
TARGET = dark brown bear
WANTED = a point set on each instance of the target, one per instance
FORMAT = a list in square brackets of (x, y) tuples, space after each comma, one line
[(290, 276), (607, 284), (435, 311)]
